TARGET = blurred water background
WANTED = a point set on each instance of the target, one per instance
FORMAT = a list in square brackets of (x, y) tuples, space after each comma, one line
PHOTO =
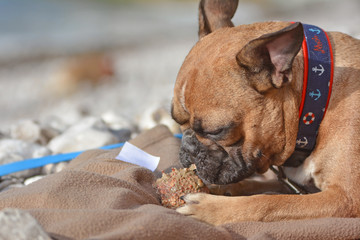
[(132, 50)]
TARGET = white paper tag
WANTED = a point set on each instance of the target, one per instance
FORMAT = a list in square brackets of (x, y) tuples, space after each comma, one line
[(132, 154)]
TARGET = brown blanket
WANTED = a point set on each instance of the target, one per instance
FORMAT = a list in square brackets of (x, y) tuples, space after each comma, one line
[(98, 197)]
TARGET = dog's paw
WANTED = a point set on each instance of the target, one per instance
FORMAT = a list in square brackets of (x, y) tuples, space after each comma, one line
[(203, 207)]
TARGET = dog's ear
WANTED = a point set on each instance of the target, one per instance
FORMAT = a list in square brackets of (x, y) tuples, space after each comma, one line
[(215, 14), (273, 52)]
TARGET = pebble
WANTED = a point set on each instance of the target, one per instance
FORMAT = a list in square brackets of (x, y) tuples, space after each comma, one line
[(2, 135), (20, 225), (53, 168), (26, 130), (156, 115), (89, 133), (59, 167), (8, 181), (122, 135), (12, 150), (22, 148), (65, 115), (117, 122), (48, 133), (55, 123), (33, 179)]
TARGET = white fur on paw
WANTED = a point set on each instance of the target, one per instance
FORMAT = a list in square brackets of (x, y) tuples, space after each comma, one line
[(190, 200), (185, 210), (194, 198)]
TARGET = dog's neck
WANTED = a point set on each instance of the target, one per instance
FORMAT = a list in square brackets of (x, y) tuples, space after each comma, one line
[(316, 91)]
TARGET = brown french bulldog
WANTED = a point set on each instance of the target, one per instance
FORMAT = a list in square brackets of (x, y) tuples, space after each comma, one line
[(237, 99)]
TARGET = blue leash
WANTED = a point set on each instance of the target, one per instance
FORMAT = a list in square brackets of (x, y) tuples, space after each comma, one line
[(42, 161)]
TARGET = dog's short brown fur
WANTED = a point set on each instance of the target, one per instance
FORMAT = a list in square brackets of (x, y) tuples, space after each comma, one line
[(237, 99)]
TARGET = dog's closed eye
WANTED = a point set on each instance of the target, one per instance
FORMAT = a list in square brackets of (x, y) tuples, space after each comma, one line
[(215, 132), (219, 133)]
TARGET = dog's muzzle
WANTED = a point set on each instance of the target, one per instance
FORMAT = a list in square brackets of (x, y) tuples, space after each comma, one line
[(213, 166)]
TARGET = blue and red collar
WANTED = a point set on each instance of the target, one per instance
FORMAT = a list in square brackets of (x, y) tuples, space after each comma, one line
[(317, 84)]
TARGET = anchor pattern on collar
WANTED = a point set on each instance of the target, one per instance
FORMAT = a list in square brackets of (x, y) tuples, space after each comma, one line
[(318, 74)]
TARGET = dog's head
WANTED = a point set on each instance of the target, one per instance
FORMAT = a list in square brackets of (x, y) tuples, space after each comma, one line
[(236, 100)]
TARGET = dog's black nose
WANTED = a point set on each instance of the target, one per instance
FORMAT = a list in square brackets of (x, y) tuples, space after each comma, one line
[(189, 142), (189, 148), (182, 197)]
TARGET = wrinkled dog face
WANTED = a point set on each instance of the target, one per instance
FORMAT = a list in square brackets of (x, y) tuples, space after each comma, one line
[(229, 100), (214, 165)]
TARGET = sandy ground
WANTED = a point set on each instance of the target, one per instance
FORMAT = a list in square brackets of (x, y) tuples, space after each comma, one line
[(147, 44)]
